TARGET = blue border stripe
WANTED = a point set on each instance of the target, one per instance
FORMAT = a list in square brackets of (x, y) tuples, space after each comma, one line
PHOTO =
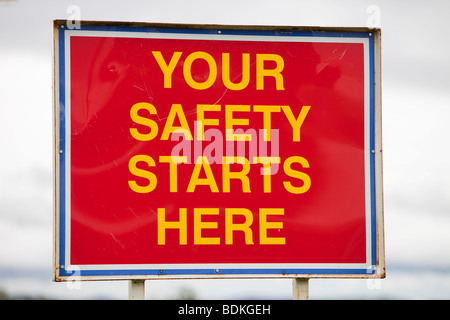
[(165, 272), (372, 147), (62, 147), (228, 31), (255, 271)]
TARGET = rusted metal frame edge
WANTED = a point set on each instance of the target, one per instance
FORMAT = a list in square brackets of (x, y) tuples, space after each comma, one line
[(281, 28), (207, 276), (56, 146), (381, 262)]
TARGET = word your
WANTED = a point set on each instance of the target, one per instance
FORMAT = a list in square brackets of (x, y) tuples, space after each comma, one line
[(167, 69)]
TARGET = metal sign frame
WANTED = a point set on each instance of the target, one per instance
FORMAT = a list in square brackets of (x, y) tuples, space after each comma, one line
[(64, 270)]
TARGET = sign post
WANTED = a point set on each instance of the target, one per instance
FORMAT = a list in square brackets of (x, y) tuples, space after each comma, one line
[(188, 152), (300, 289), (136, 289)]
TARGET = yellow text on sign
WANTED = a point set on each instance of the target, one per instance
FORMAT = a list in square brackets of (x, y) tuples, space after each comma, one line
[(302, 181), (168, 66), (235, 115), (231, 227)]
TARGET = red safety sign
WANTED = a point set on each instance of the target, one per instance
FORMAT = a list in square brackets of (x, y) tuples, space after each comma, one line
[(216, 152)]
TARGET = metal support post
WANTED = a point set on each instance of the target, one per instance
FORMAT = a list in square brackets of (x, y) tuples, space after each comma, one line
[(300, 289), (136, 290)]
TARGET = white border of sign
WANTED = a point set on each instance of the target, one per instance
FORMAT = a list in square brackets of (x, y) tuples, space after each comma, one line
[(375, 266)]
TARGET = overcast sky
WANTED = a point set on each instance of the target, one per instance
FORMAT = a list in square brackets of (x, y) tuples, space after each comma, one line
[(416, 131)]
